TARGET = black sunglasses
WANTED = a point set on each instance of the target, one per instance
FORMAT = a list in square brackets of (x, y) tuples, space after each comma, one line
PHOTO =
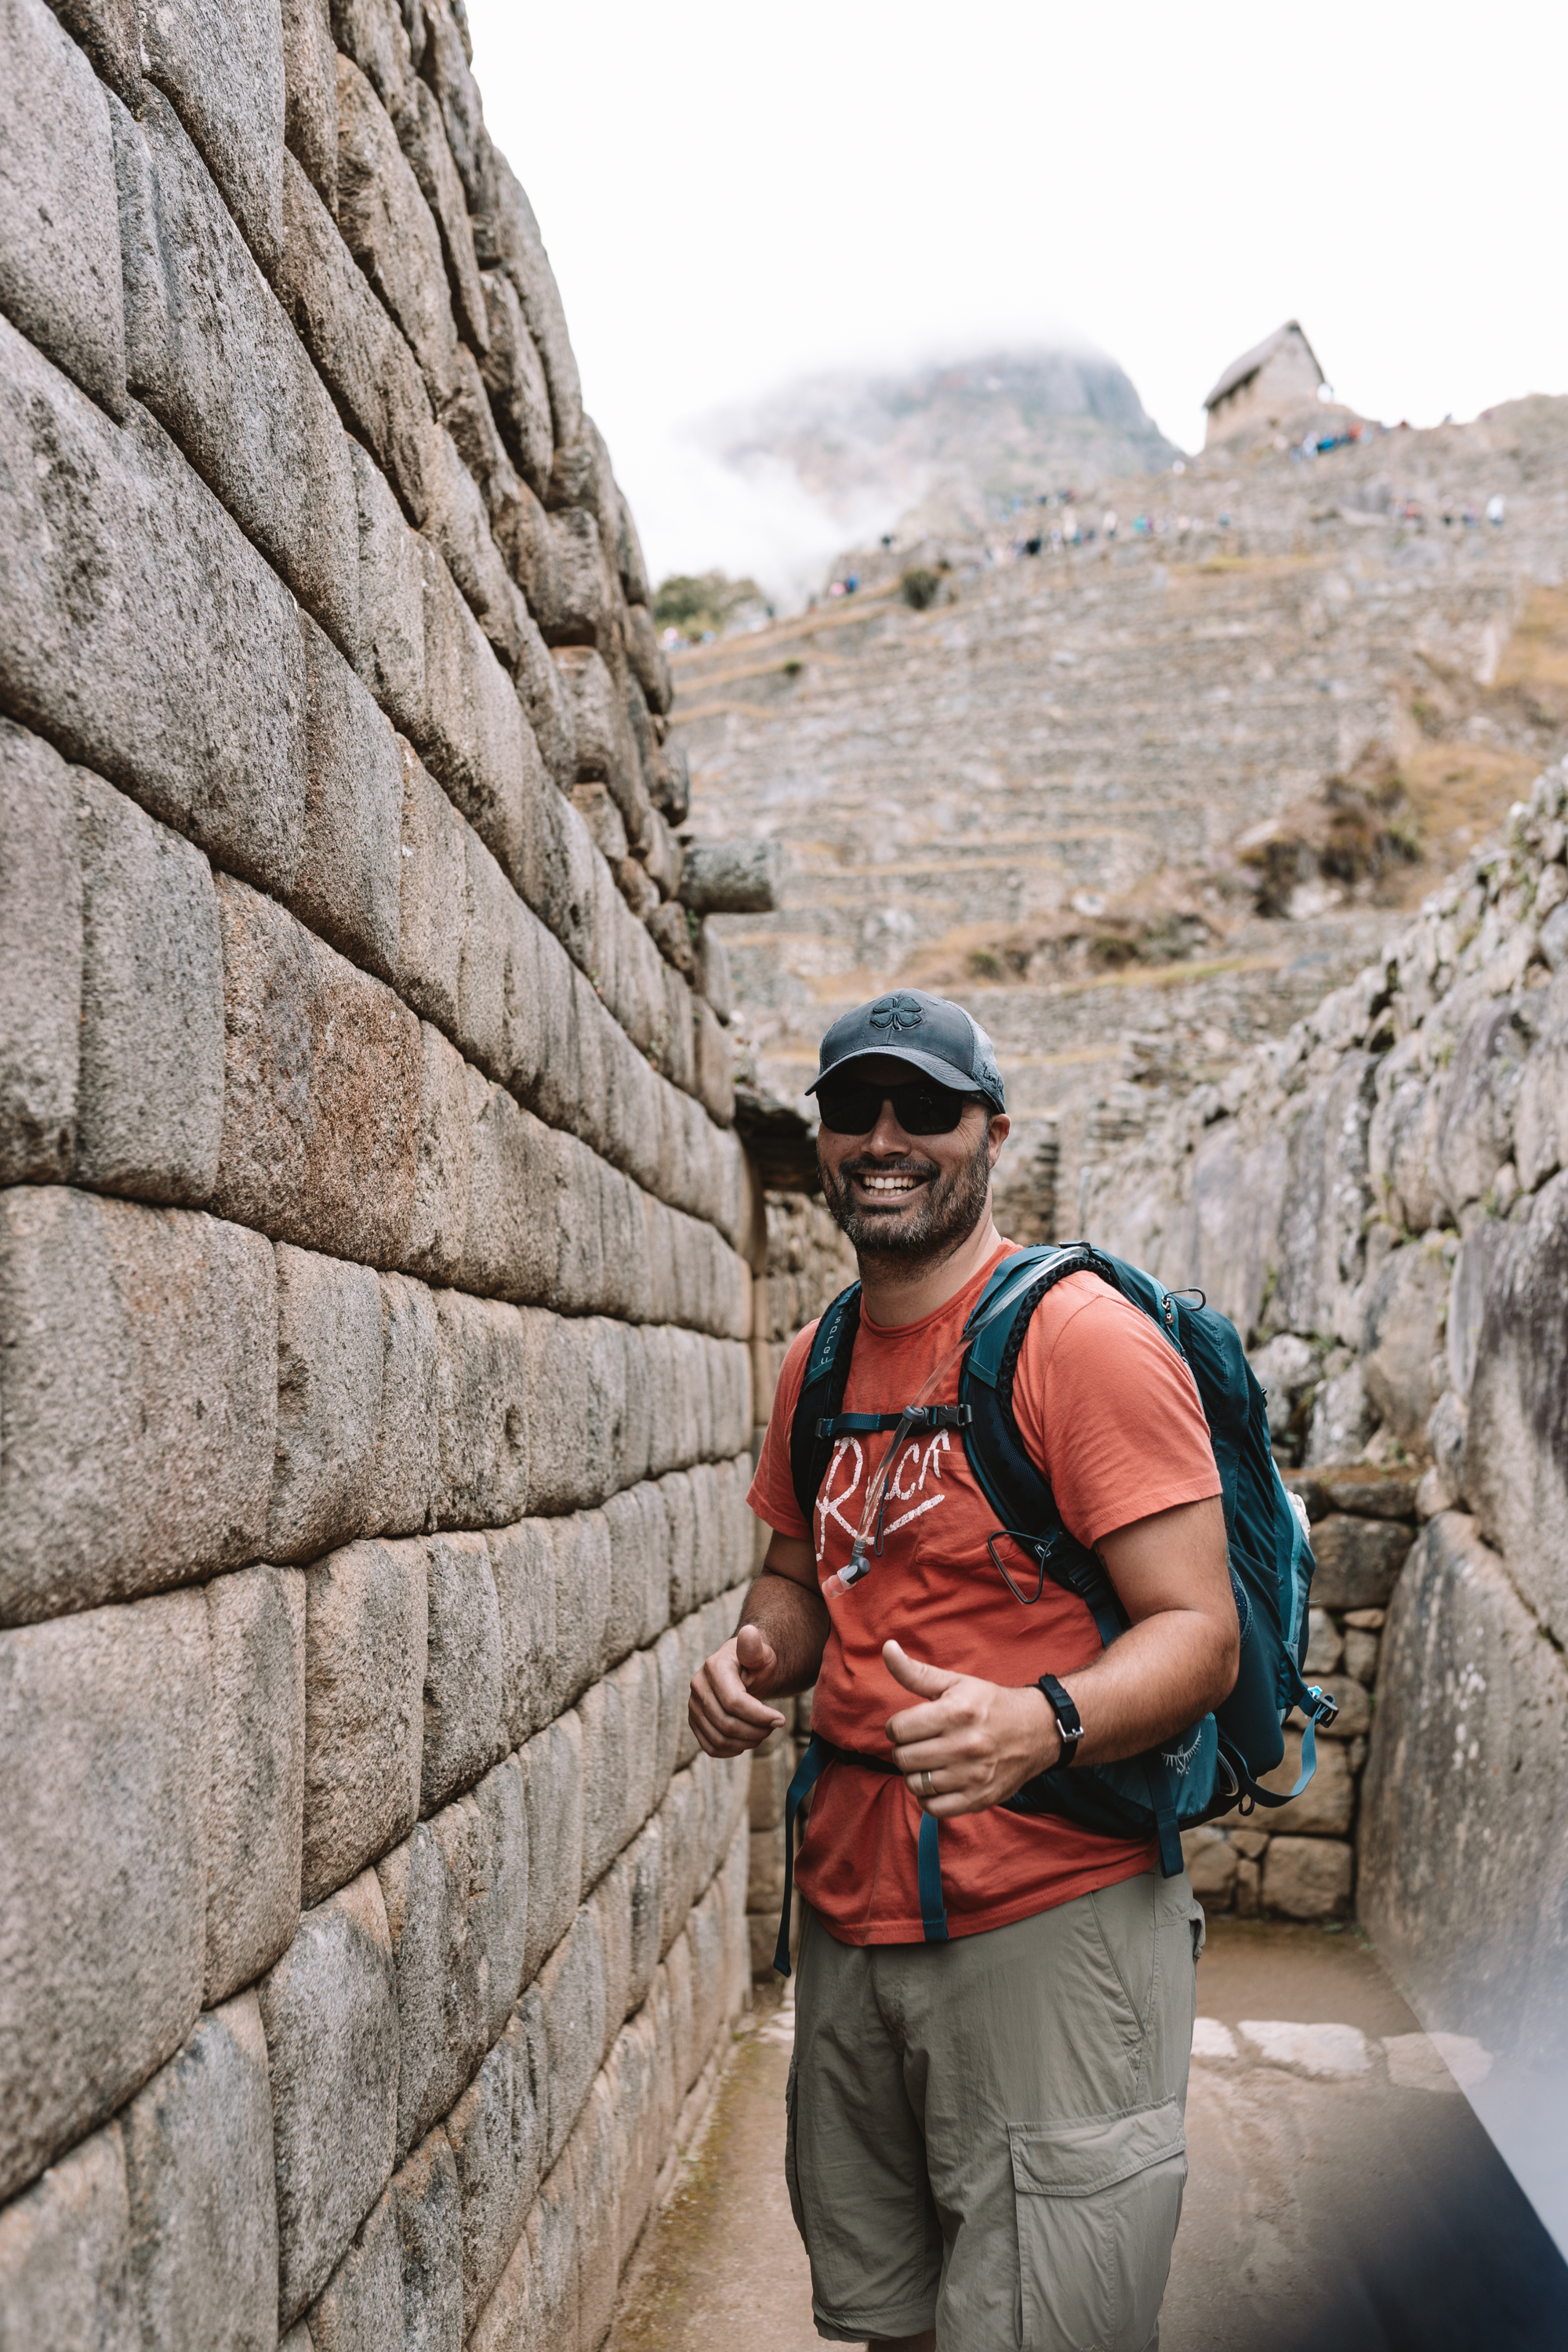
[(853, 1105)]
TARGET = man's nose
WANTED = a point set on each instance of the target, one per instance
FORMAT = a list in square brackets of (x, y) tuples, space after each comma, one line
[(887, 1135)]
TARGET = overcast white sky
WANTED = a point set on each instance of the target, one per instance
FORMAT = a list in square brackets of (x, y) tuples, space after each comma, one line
[(733, 195)]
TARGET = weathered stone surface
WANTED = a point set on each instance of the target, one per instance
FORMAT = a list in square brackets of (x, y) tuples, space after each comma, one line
[(441, 1997), (1516, 1445), (446, 65), (1475, 1120), (528, 544), (1369, 1492), (1307, 1878), (330, 1354), (1342, 1419), (1540, 1107), (59, 240), (104, 1747), (646, 657), (222, 64), (555, 1785), (441, 1219), (199, 2175), (256, 1808), (433, 886), (1404, 1316), (213, 355), (362, 359), (546, 704), (499, 1920), (455, 519), (731, 877), (497, 2132), (1325, 1202), (141, 630), (572, 1992), (150, 1103), (139, 1353), (65, 2257), (1325, 1806), (714, 1079), (388, 227), (1358, 1560), (424, 140), (310, 94), (1464, 1841), (475, 739), (361, 2307), (330, 2008), (108, 31), (1401, 1141), (321, 1094), (712, 970), (583, 1572), (639, 1606), (426, 2201), (514, 378), (483, 1396), (403, 1490), (364, 1680), (517, 1200), (348, 887), (523, 1562), (463, 1729), (40, 959)]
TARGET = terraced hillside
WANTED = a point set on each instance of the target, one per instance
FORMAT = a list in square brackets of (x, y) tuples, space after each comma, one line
[(1142, 799)]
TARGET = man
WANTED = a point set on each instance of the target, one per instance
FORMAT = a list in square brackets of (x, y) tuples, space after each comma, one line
[(985, 2142)]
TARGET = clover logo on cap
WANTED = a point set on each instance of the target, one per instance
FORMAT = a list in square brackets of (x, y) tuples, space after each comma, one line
[(897, 1013)]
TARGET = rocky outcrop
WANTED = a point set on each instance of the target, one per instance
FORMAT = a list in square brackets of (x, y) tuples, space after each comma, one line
[(1382, 1204)]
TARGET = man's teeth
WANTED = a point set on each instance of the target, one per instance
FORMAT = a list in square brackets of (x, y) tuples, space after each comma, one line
[(887, 1183)]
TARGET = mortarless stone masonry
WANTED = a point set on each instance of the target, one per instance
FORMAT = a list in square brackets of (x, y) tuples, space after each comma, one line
[(377, 1254)]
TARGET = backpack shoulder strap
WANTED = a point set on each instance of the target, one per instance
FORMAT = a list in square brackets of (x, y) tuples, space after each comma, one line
[(1018, 1488), (821, 1395)]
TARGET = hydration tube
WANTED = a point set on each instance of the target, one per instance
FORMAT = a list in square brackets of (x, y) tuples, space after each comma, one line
[(862, 1551)]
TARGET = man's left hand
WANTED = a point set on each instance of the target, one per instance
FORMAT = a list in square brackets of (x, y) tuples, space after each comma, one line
[(979, 1741)]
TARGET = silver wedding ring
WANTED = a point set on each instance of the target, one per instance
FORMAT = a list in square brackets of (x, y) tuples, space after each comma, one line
[(927, 1786)]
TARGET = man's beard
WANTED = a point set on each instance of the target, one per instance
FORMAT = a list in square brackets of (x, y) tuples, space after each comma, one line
[(950, 1208)]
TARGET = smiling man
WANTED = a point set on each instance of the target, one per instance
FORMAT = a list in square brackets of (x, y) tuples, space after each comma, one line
[(984, 2134)]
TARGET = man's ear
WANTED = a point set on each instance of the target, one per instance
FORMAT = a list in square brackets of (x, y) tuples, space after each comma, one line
[(1001, 1128)]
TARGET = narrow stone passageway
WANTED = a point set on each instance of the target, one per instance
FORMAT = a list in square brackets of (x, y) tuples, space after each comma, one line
[(1321, 2122)]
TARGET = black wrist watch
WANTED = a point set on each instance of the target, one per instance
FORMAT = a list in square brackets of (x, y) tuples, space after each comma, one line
[(1069, 1723)]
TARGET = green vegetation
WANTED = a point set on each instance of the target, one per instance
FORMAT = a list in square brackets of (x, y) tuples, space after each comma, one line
[(920, 587), (708, 603)]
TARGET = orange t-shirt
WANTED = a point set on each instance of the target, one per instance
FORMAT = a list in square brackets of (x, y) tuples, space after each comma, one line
[(1107, 1407)]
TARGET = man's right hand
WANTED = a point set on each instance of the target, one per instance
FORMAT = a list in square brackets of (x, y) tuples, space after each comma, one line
[(724, 1716)]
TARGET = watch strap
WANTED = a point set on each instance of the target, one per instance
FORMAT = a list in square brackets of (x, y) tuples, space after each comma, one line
[(1069, 1723)]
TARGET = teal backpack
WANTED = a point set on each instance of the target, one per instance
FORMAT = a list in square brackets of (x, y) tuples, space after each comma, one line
[(1215, 1764)]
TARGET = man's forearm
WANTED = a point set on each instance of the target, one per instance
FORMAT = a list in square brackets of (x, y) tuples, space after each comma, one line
[(1152, 1682), (794, 1622)]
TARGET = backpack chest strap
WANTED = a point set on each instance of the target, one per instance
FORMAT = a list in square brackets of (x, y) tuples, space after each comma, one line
[(913, 1417)]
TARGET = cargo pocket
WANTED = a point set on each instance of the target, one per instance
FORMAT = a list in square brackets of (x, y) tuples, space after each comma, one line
[(1097, 2204)]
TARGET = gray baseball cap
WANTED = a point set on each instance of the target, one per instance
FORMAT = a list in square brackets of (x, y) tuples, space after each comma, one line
[(931, 1033)]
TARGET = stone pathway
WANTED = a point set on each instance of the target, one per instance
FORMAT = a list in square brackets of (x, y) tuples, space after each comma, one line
[(1322, 2127)]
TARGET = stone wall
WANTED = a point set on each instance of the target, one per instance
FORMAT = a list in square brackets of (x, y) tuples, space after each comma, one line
[(1382, 1204), (375, 1385), (808, 1263)]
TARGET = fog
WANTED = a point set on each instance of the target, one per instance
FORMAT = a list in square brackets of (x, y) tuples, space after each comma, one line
[(733, 197)]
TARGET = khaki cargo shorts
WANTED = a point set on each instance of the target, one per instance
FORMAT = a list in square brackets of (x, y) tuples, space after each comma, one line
[(988, 2135)]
